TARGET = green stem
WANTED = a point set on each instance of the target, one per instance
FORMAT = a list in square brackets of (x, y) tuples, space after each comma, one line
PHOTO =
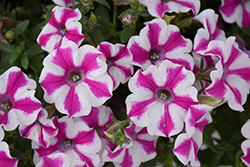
[(73, 4)]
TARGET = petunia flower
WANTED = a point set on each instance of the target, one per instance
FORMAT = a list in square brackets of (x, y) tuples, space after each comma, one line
[(161, 97), (65, 2), (209, 20), (245, 146), (141, 148), (18, 105), (236, 11), (75, 139), (231, 79), (40, 131), (5, 158), (99, 118), (54, 160), (75, 79), (157, 8), (187, 144), (61, 28), (118, 59), (158, 42)]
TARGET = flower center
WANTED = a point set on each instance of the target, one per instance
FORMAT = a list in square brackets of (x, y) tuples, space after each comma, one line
[(163, 95), (62, 30), (75, 76), (5, 104), (110, 62), (154, 55), (66, 144)]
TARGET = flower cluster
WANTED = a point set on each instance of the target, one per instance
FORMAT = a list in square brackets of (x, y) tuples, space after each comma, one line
[(176, 85)]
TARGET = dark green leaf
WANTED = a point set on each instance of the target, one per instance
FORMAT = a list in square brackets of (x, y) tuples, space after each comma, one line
[(6, 47), (102, 12), (246, 30), (236, 137), (209, 142), (21, 27), (25, 62), (127, 33), (13, 57), (103, 2), (13, 14), (36, 65), (97, 35), (33, 50)]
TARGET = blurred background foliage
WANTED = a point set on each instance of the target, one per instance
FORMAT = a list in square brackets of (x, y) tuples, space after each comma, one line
[(22, 20)]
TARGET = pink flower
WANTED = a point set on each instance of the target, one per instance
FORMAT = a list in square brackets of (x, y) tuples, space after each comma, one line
[(245, 146), (140, 149), (75, 139), (18, 106), (55, 160), (158, 42), (118, 59), (64, 2), (75, 79), (40, 131), (157, 8), (231, 79), (61, 28), (236, 11), (5, 158), (161, 97), (209, 20)]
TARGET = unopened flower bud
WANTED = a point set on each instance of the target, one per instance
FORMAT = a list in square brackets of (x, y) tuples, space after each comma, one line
[(10, 35), (127, 18), (92, 19), (168, 18), (112, 131), (210, 100)]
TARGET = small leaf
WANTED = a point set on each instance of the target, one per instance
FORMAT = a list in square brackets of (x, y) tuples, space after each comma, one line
[(185, 23), (25, 62), (6, 48), (33, 50), (127, 33), (13, 57), (97, 35), (21, 27), (103, 2), (13, 14)]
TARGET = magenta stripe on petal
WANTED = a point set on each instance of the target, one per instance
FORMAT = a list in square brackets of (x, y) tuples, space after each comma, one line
[(26, 131), (74, 35), (85, 137), (218, 89), (140, 55), (184, 148), (71, 102), (234, 54), (148, 146), (84, 158), (146, 81), (67, 14), (50, 162), (105, 48), (126, 71), (202, 124), (162, 8), (99, 89), (153, 33), (49, 130), (244, 73), (203, 43), (44, 38), (127, 159), (229, 7), (41, 138), (184, 101), (64, 58), (52, 82), (16, 79), (4, 118), (166, 124), (245, 17), (246, 158), (175, 40), (237, 95), (27, 105), (186, 4), (91, 63), (5, 161), (139, 108), (115, 154)]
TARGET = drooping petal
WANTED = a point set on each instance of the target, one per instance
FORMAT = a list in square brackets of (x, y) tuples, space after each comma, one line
[(5, 158)]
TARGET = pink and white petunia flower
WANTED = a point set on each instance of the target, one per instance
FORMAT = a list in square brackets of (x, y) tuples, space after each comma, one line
[(209, 20), (187, 144), (158, 42), (236, 11), (245, 146), (75, 139), (141, 148), (99, 118), (54, 160), (40, 131), (231, 79), (75, 79), (65, 2), (5, 158), (118, 59), (61, 28), (157, 8), (161, 97), (18, 105)]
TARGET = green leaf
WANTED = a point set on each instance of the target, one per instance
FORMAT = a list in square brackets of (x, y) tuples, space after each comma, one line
[(13, 14), (103, 2), (127, 33), (25, 62), (97, 35), (185, 23), (36, 65), (209, 142), (236, 137), (6, 47), (21, 27), (33, 50), (13, 57), (246, 30)]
